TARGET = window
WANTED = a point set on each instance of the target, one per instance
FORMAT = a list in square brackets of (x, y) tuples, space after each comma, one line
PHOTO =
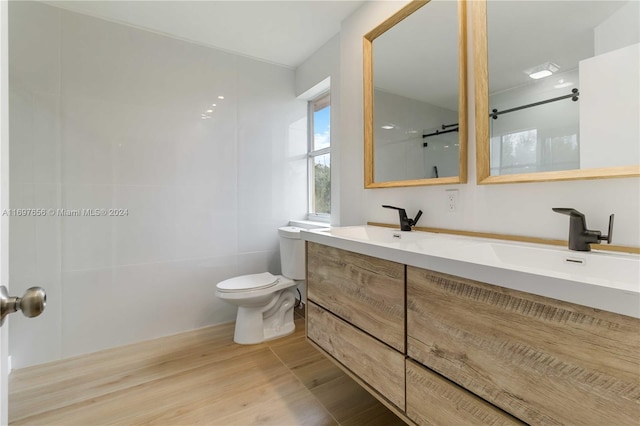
[(319, 166)]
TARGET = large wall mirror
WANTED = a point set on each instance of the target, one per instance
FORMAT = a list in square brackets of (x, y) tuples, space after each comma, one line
[(556, 85), (415, 97)]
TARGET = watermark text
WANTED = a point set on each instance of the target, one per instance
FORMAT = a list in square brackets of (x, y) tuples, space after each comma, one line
[(65, 212)]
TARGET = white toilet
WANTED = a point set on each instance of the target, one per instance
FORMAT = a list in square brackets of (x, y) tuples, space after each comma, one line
[(265, 301)]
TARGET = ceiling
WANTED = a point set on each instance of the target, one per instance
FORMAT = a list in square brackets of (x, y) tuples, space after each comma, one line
[(287, 32), (284, 32)]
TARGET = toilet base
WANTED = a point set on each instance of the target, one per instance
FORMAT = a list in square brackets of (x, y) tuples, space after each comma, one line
[(258, 324), (286, 330)]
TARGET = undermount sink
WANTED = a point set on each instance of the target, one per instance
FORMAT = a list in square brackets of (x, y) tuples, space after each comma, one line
[(618, 270), (379, 235), (411, 241)]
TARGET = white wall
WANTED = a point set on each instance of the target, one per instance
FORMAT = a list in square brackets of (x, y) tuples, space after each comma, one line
[(619, 30), (324, 63), (609, 126), (107, 116), (519, 209)]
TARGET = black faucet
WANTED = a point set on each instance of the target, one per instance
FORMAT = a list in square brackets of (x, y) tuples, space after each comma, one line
[(580, 238), (405, 222)]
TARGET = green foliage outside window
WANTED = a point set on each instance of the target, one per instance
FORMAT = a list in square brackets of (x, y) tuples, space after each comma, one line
[(322, 188)]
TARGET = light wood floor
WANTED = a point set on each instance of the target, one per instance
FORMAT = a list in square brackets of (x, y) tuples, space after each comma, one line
[(199, 377)]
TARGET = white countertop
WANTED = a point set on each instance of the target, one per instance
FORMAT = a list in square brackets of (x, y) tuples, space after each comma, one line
[(602, 280)]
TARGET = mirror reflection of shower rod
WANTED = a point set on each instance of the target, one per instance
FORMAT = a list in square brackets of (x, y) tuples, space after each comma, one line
[(439, 132), (573, 95)]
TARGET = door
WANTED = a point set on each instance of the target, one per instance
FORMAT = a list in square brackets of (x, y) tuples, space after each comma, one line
[(4, 185), (32, 303)]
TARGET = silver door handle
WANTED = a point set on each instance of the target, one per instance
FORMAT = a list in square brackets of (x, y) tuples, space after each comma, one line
[(31, 304)]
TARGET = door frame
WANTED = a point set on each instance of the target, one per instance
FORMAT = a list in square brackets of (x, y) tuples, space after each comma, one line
[(4, 198)]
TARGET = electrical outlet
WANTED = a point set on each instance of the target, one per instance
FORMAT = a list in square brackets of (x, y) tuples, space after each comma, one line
[(452, 200)]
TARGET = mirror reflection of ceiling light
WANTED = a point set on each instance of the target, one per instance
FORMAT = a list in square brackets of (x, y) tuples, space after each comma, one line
[(388, 126), (542, 70), (562, 83)]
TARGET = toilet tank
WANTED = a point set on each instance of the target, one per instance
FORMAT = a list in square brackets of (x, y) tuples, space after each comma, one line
[(292, 253)]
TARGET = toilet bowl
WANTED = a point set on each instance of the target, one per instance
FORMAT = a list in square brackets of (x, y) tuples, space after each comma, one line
[(265, 302), (265, 306)]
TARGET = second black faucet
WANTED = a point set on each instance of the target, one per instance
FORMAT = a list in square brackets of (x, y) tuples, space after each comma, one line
[(581, 238), (405, 222)]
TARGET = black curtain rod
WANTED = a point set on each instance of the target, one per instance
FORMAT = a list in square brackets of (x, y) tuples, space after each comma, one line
[(573, 95)]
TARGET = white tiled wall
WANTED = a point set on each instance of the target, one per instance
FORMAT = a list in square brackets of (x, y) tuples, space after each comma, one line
[(106, 116)]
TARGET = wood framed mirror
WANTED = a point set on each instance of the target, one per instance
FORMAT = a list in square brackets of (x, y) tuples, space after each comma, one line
[(559, 100), (415, 97)]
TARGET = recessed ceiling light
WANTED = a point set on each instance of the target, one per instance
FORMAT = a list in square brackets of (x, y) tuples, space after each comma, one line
[(213, 105), (542, 70), (220, 97), (209, 110)]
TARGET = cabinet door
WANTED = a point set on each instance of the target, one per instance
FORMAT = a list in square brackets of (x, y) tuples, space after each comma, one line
[(365, 291), (434, 400), (542, 360), (381, 367)]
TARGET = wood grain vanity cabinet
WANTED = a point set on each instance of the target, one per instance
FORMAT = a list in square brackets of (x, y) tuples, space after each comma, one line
[(365, 291), (475, 353), (434, 400), (540, 359), (356, 314), (374, 362)]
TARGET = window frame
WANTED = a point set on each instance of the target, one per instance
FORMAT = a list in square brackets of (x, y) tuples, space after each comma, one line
[(323, 99)]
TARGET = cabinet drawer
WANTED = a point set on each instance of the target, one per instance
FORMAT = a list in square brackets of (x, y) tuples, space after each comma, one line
[(434, 400), (374, 362), (542, 360), (365, 291)]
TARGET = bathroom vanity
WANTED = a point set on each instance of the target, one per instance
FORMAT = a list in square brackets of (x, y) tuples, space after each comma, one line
[(443, 337)]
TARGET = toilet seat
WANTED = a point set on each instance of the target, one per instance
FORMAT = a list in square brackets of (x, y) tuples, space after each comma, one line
[(247, 283)]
